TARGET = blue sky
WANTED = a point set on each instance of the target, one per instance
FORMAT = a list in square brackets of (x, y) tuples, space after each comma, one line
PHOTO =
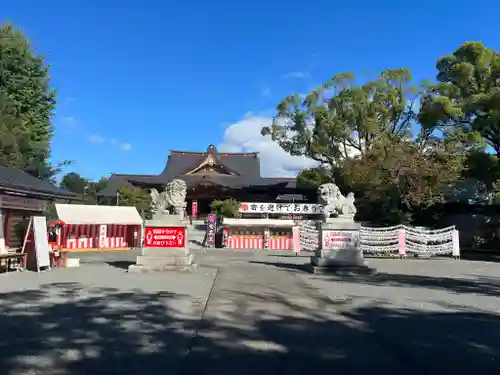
[(136, 79)]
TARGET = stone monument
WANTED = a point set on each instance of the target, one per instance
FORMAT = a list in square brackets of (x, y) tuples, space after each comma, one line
[(169, 208), (338, 249)]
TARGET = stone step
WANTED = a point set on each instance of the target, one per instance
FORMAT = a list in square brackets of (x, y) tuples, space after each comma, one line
[(165, 261), (162, 252), (134, 268)]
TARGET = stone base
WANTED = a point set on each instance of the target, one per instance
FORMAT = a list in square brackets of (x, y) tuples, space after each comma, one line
[(338, 257), (342, 270), (340, 223), (339, 253), (166, 221), (162, 268), (163, 252), (157, 259), (165, 260)]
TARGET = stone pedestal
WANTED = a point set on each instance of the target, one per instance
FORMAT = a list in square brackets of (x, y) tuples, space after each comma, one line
[(339, 250), (160, 259)]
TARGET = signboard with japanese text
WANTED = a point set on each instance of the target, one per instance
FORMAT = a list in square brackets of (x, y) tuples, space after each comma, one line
[(336, 239), (280, 208), (21, 203), (211, 229), (167, 237)]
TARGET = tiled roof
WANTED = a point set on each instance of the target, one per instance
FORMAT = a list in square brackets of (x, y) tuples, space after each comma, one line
[(16, 179), (245, 165)]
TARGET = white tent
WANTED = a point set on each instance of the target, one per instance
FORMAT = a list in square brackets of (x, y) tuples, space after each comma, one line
[(81, 214)]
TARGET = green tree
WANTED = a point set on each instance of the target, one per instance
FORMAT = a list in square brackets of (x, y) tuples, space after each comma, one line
[(27, 102), (364, 133), (75, 183), (12, 135), (467, 94), (225, 208), (313, 177), (397, 180), (94, 187), (137, 197), (342, 119)]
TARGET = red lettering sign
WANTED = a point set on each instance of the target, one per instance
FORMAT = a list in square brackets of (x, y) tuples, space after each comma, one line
[(164, 237), (338, 240)]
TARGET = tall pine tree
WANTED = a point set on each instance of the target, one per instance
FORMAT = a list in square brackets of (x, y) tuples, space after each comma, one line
[(27, 102)]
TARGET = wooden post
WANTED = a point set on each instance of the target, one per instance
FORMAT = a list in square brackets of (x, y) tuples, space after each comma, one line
[(7, 227)]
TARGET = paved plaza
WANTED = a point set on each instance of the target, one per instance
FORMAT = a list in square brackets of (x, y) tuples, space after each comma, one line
[(251, 313)]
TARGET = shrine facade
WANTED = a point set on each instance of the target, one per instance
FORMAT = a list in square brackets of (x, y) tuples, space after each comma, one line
[(213, 175)]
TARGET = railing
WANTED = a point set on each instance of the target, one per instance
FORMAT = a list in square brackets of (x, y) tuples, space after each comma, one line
[(396, 241), (381, 241), (309, 235), (402, 240)]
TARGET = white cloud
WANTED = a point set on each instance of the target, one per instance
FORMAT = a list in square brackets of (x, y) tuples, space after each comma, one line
[(245, 136), (96, 139), (122, 146), (297, 75), (125, 147)]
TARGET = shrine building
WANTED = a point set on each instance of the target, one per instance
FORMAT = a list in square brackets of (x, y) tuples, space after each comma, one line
[(213, 175)]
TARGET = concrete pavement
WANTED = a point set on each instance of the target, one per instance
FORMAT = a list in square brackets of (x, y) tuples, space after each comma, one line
[(251, 312)]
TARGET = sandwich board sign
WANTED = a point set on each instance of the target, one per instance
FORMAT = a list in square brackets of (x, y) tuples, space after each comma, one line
[(38, 227)]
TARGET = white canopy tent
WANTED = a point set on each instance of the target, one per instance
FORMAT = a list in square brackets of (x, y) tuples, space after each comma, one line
[(81, 214), (95, 227)]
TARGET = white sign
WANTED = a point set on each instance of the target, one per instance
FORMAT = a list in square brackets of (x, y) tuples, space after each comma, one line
[(164, 237), (336, 239), (103, 236), (20, 203), (280, 208), (42, 247)]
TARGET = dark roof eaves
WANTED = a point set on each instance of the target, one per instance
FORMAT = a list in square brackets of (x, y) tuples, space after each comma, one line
[(38, 192)]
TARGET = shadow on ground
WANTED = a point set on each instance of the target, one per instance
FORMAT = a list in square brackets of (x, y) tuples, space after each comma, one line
[(122, 264), (67, 328), (487, 286), (196, 242), (481, 256)]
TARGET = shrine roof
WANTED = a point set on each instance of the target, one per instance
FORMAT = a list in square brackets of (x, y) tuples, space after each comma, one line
[(242, 163), (243, 168), (16, 180)]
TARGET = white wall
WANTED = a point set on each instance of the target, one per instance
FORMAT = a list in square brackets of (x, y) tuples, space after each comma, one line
[(3, 249)]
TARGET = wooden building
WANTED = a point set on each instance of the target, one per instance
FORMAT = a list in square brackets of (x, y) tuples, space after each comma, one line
[(215, 175), (22, 196)]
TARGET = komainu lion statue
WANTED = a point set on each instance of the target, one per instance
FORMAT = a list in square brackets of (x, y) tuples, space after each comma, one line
[(159, 201), (176, 191), (334, 202), (174, 196)]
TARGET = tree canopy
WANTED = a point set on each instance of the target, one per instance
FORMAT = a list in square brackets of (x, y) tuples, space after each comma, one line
[(74, 182), (225, 207), (139, 198), (400, 147), (467, 93), (342, 119), (27, 102)]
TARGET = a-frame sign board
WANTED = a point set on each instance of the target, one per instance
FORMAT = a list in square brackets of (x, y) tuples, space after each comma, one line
[(37, 231)]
